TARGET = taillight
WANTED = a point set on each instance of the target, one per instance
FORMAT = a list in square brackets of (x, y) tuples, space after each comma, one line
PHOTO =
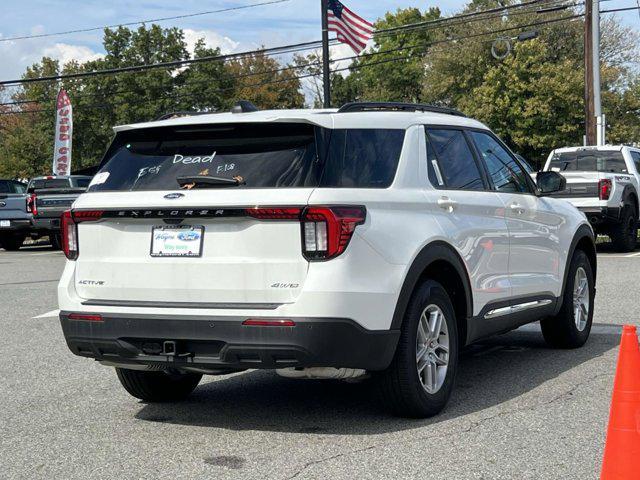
[(326, 231), (277, 213), (31, 204), (69, 236), (69, 226), (604, 188)]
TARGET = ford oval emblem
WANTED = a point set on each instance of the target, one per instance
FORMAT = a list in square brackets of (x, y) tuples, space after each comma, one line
[(173, 196), (188, 236)]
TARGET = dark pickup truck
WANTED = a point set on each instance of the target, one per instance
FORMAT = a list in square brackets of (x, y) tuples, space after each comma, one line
[(15, 221), (49, 197)]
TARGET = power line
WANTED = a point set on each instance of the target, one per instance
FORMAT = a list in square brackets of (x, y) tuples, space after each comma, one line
[(139, 22), (351, 67), (354, 57), (613, 10), (270, 51), (493, 13), (364, 55), (462, 16), (170, 64)]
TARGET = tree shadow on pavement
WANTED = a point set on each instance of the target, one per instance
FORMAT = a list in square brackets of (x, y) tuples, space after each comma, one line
[(490, 373)]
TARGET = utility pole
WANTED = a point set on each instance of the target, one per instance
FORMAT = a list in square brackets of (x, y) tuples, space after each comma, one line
[(326, 78), (589, 114), (595, 50), (594, 120)]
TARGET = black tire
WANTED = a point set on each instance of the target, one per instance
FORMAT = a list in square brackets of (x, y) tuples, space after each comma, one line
[(158, 386), (56, 240), (624, 235), (12, 243), (561, 331), (400, 386)]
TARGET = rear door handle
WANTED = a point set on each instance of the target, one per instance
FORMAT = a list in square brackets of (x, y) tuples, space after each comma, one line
[(517, 208), (447, 204)]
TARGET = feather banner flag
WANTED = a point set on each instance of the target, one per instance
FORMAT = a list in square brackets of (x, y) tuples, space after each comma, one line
[(64, 132)]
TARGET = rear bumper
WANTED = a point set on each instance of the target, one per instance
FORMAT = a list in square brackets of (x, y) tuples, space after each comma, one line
[(46, 224), (18, 225), (223, 342), (601, 216)]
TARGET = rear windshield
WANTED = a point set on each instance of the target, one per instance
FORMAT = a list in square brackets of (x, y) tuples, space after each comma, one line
[(258, 155), (10, 186), (589, 161), (51, 183)]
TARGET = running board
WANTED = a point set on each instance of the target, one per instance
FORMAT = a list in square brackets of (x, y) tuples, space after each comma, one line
[(499, 312)]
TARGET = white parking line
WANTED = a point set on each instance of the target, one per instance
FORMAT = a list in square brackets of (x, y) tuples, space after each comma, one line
[(26, 253), (52, 313), (596, 329), (628, 255)]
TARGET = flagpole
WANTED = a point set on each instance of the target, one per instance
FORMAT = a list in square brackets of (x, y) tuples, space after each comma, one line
[(326, 79)]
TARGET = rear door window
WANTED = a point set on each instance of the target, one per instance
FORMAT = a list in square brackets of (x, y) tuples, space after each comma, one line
[(455, 166), (271, 155)]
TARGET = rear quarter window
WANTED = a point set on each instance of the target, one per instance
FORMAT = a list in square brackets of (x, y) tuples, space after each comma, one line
[(362, 158)]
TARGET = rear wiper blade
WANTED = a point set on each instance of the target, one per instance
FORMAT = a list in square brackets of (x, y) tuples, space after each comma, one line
[(203, 181)]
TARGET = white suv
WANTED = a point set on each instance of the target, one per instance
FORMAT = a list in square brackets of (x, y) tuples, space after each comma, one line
[(377, 239)]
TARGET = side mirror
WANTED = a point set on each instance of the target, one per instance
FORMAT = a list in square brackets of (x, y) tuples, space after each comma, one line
[(550, 182)]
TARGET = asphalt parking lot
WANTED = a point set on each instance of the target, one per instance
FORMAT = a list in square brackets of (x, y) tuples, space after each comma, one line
[(520, 410)]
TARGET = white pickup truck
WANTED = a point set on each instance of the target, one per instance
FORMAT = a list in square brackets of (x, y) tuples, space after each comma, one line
[(603, 183)]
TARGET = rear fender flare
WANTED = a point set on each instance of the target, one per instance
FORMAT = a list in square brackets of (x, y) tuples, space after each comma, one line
[(630, 197), (435, 251), (584, 233)]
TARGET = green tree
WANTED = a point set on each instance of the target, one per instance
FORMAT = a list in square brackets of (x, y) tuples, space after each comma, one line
[(531, 103), (26, 141), (310, 67), (100, 102), (534, 97), (206, 86), (396, 75), (24, 150), (276, 88)]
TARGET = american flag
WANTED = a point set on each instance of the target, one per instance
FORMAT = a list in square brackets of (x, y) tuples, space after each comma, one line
[(351, 29)]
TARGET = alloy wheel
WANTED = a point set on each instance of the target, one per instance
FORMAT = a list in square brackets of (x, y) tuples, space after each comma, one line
[(581, 297), (432, 349)]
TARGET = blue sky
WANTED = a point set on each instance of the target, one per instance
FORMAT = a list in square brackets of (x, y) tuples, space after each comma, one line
[(293, 21)]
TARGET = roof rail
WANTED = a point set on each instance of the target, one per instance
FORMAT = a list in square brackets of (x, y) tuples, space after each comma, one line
[(182, 113), (397, 107)]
